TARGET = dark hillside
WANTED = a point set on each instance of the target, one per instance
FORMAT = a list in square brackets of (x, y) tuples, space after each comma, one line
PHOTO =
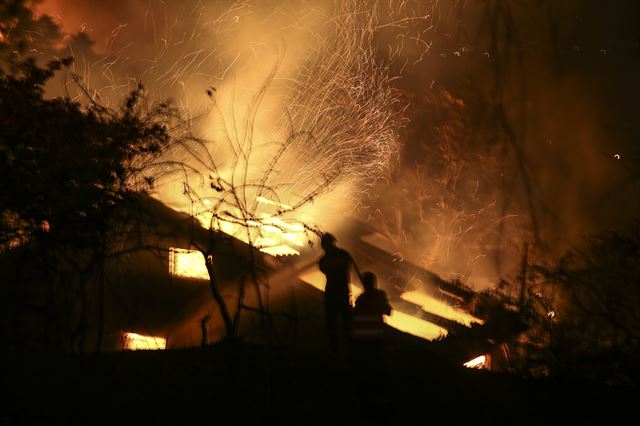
[(255, 385)]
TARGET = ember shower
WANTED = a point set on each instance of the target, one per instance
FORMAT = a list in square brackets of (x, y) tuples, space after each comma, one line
[(345, 74), (322, 78), (252, 78)]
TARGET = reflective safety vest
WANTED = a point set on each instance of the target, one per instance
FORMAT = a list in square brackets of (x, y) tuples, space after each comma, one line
[(368, 327)]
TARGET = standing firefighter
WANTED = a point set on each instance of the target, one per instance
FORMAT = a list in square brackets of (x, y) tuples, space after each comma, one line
[(368, 342), (336, 266)]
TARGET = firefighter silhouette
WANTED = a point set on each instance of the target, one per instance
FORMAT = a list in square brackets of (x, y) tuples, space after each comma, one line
[(371, 378), (336, 265)]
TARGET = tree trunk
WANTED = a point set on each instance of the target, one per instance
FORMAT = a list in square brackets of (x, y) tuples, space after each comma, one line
[(228, 322), (523, 276)]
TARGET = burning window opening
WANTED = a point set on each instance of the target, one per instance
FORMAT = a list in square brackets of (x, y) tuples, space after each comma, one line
[(135, 342), (480, 363), (187, 264)]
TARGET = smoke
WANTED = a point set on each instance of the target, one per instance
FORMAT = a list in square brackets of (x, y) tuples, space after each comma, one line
[(521, 120), (295, 73), (522, 124)]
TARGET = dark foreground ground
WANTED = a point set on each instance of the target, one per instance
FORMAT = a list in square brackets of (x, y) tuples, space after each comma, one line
[(252, 385)]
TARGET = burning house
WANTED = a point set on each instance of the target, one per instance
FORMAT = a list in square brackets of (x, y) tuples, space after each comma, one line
[(177, 276), (159, 292)]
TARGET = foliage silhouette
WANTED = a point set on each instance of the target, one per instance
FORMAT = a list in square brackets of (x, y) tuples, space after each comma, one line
[(64, 170)]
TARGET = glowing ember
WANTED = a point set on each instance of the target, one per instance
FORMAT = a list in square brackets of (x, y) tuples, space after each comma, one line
[(440, 308), (134, 342), (187, 264), (478, 362)]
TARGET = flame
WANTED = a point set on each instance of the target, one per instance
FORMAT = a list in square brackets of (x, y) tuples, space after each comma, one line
[(300, 127), (281, 250), (440, 308), (187, 264), (134, 342), (268, 233), (478, 362), (416, 326)]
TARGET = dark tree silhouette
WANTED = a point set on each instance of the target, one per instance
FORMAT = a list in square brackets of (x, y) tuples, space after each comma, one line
[(63, 167), (596, 332), (64, 170), (23, 34)]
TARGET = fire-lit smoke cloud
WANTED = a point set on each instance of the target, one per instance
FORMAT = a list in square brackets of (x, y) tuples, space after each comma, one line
[(474, 184), (469, 187), (295, 90)]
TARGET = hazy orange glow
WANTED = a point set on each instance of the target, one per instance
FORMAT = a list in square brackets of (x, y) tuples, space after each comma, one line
[(440, 308), (134, 342), (187, 264), (316, 279)]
